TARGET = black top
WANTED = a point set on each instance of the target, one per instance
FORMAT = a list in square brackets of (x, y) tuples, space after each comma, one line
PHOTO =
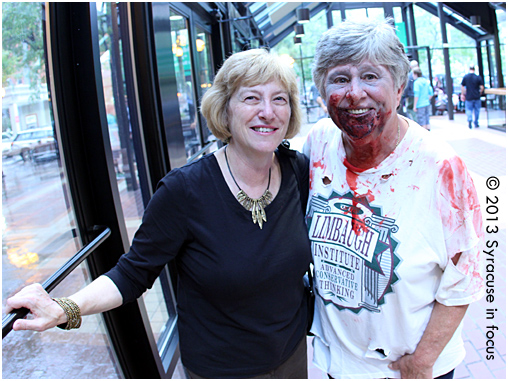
[(241, 305), (472, 83)]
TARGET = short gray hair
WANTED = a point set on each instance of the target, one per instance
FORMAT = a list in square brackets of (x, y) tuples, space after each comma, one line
[(352, 42)]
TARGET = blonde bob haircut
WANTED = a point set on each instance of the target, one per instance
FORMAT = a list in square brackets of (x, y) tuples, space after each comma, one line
[(248, 68)]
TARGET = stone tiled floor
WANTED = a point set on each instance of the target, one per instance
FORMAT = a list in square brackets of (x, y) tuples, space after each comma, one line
[(484, 152)]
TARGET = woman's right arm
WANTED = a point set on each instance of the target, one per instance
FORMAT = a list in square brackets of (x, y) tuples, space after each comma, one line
[(157, 241), (99, 296)]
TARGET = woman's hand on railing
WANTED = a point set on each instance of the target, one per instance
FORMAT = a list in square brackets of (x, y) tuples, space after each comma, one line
[(46, 312), (35, 299)]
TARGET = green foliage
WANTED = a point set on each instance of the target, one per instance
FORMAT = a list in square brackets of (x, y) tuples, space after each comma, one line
[(462, 48), (22, 43), (303, 54)]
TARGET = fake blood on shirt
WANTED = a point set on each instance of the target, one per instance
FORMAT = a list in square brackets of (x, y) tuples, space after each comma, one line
[(352, 181)]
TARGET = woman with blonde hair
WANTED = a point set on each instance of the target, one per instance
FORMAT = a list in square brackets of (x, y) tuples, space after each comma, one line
[(233, 222)]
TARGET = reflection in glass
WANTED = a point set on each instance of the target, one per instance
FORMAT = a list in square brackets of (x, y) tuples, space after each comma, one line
[(204, 70), (38, 222), (183, 71), (124, 158), (117, 112)]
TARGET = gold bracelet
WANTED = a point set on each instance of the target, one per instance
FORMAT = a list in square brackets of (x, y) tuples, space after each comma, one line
[(72, 312)]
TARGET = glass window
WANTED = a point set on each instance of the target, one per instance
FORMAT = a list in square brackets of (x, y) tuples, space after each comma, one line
[(38, 223), (117, 113), (302, 56), (397, 15), (183, 70), (237, 41), (124, 157), (375, 13), (204, 73), (356, 14)]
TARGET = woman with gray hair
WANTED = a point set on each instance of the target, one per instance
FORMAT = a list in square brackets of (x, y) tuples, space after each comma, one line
[(233, 222), (393, 217)]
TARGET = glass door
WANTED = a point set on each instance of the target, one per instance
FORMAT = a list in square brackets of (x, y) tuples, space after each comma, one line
[(204, 77), (181, 49), (193, 74), (158, 302), (39, 228)]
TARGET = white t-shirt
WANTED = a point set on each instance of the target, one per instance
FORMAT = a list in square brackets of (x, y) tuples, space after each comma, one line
[(382, 241)]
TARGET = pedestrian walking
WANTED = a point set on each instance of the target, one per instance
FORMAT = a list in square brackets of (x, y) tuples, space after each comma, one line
[(323, 112), (472, 88), (408, 95), (422, 95)]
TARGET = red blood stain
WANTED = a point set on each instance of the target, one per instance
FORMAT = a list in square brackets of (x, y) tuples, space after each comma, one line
[(356, 126), (352, 181), (319, 164), (315, 164), (458, 189), (358, 227)]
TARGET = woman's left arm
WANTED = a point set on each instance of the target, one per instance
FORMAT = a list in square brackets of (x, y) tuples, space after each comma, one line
[(443, 322)]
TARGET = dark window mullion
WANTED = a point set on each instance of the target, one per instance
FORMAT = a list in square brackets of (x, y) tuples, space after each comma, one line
[(79, 103)]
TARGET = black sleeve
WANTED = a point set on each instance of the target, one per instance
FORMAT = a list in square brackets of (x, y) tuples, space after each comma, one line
[(158, 240)]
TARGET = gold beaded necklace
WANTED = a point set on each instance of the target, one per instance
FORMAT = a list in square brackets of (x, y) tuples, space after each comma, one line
[(256, 205)]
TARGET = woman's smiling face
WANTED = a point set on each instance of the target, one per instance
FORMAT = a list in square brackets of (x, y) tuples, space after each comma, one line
[(259, 116), (361, 98)]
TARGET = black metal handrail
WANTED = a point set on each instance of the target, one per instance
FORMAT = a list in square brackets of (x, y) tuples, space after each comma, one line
[(55, 279)]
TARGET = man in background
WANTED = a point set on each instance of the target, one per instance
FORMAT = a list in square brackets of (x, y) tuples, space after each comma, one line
[(317, 97), (408, 95), (472, 87), (422, 95)]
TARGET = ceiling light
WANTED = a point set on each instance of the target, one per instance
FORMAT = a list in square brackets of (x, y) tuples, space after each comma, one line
[(476, 21), (302, 15), (299, 32)]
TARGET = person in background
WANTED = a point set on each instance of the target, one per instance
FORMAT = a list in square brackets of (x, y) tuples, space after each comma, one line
[(472, 88), (234, 224), (408, 95), (422, 95), (317, 97), (393, 217)]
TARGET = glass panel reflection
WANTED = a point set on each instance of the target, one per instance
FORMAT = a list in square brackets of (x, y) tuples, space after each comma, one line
[(204, 74), (124, 157), (38, 223), (183, 72), (117, 112)]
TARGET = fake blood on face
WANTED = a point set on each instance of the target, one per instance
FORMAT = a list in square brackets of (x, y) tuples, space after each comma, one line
[(357, 126)]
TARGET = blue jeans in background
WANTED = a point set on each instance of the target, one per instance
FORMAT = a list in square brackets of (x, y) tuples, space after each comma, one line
[(470, 107)]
